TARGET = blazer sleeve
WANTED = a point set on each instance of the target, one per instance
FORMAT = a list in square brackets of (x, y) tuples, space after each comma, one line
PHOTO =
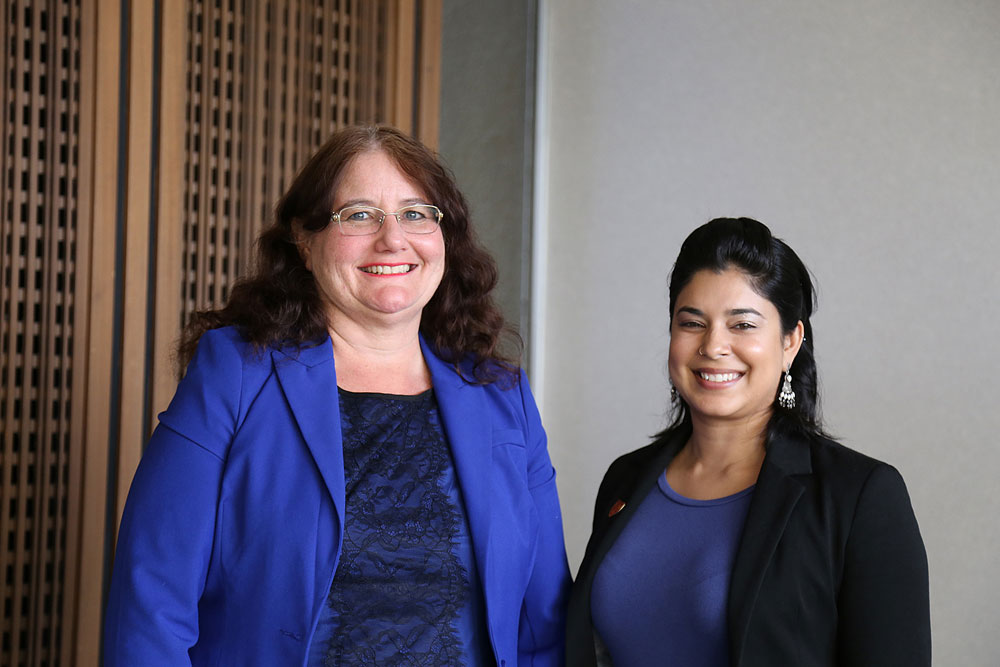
[(543, 616), (167, 530), (884, 609)]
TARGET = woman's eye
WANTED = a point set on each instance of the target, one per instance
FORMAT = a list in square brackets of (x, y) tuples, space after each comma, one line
[(413, 216), (359, 216), (744, 326), (690, 324)]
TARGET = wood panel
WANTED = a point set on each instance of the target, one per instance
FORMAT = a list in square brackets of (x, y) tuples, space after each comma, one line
[(144, 146), (269, 83), (100, 35), (46, 85), (170, 184), (135, 255), (427, 91)]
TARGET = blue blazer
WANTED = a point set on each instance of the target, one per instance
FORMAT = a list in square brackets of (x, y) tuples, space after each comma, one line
[(233, 525)]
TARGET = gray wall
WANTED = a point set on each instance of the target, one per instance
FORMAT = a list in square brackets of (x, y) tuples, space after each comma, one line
[(487, 131), (867, 134)]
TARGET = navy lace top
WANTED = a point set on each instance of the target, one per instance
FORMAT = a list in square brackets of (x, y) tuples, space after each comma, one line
[(406, 591)]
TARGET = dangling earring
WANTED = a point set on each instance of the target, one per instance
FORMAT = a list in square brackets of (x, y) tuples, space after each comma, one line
[(673, 393), (786, 398)]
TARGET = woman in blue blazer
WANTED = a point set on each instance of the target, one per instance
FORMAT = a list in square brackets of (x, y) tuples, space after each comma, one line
[(349, 472), (743, 535)]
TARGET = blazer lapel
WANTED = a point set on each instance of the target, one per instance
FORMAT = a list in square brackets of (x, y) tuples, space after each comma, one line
[(616, 523), (630, 485), (465, 414), (309, 382), (775, 496)]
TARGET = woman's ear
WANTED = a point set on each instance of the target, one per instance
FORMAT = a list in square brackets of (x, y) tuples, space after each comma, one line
[(793, 341)]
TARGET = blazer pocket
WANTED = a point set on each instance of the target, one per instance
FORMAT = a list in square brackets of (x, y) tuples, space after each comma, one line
[(508, 436), (509, 474), (514, 517), (510, 453)]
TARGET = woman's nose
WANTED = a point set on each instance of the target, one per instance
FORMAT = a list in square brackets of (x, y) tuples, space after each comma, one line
[(715, 343), (391, 235)]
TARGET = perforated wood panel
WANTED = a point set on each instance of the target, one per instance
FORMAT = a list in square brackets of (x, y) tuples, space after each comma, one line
[(266, 84), (38, 182), (144, 145)]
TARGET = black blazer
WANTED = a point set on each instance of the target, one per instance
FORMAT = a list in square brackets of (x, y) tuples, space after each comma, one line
[(831, 569)]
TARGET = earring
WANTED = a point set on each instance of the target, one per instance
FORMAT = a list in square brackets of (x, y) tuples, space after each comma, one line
[(673, 393), (786, 398)]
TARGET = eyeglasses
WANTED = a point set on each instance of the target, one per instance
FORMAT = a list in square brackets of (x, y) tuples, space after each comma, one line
[(364, 220)]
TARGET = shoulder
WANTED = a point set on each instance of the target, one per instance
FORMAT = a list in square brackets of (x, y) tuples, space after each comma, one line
[(656, 454), (838, 461), (223, 347), (510, 402), (228, 347), (633, 464), (219, 383), (224, 357), (632, 470), (486, 372), (510, 394), (505, 383), (850, 476), (872, 501)]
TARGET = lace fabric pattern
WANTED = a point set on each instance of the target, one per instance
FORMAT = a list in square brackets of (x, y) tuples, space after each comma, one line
[(399, 585)]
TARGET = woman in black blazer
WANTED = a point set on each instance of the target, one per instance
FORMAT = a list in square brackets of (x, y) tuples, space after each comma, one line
[(743, 535)]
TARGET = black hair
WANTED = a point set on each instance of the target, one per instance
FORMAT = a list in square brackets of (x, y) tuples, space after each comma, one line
[(776, 273)]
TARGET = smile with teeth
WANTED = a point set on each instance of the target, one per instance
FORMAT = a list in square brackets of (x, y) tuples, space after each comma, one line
[(388, 269), (719, 377)]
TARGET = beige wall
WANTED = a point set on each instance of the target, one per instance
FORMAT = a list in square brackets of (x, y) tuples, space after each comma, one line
[(864, 133)]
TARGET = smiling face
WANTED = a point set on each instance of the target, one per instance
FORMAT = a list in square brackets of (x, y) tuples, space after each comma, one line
[(727, 348), (381, 278)]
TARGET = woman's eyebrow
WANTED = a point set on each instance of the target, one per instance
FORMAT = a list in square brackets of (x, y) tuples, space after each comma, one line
[(360, 201), (364, 201), (733, 311), (745, 311)]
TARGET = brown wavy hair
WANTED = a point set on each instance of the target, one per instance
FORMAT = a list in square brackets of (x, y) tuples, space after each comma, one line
[(279, 304)]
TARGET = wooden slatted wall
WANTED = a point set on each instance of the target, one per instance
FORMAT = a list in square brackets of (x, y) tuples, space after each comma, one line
[(40, 71), (144, 145)]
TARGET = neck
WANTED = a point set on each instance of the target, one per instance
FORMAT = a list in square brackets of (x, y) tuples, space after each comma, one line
[(720, 444), (719, 459), (383, 359)]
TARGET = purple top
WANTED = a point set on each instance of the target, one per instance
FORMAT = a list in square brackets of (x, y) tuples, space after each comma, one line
[(659, 596)]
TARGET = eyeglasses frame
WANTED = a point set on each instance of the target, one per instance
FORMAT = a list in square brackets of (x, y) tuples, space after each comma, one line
[(439, 216)]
